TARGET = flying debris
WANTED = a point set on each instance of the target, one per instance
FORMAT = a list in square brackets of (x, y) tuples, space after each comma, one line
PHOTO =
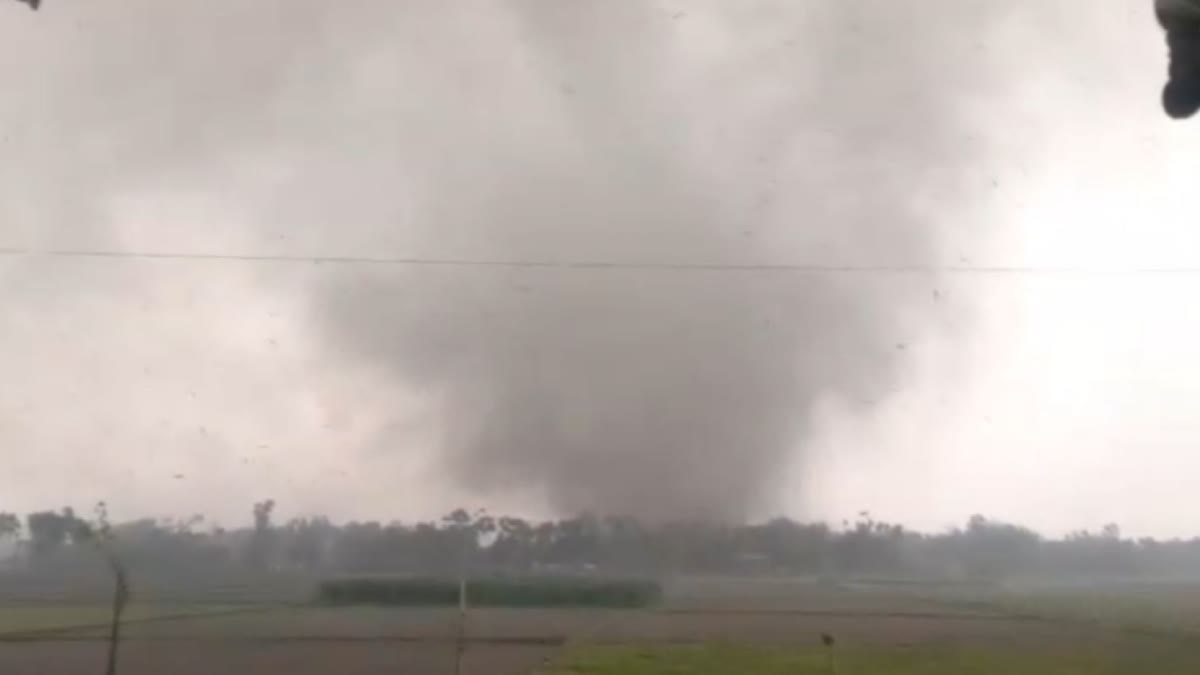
[(33, 4), (1181, 20)]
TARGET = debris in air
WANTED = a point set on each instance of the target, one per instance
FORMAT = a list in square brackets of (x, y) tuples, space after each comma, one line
[(33, 4), (1181, 21)]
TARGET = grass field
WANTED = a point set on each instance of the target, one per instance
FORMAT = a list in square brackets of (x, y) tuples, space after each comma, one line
[(1163, 607), (926, 660), (704, 626)]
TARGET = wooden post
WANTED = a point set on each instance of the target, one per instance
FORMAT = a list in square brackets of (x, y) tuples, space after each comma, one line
[(460, 637), (120, 596), (830, 652)]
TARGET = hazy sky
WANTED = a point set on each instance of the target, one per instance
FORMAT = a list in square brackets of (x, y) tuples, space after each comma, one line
[(1028, 138)]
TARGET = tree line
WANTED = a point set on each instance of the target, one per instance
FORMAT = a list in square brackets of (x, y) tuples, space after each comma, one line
[(54, 541)]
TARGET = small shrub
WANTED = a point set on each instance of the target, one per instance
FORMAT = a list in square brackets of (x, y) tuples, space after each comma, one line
[(490, 592), (412, 592)]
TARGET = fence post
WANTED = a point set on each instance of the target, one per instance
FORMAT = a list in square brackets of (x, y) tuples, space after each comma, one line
[(460, 637)]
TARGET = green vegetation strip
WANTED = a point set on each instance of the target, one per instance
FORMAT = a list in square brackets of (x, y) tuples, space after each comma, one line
[(939, 660), (524, 592)]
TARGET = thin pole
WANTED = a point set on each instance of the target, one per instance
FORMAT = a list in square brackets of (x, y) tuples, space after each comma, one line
[(460, 633), (830, 652), (120, 594)]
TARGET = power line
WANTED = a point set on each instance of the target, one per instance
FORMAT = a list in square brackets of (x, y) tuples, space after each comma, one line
[(583, 265)]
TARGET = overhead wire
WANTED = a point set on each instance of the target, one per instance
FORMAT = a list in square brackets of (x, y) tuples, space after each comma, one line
[(583, 265)]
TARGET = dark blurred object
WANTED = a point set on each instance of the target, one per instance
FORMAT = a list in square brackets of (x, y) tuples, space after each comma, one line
[(828, 641), (1181, 20), (33, 4)]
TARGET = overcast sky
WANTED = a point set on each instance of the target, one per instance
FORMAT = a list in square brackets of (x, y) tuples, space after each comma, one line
[(1045, 367)]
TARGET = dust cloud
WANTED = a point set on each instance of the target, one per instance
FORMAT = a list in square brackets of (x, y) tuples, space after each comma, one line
[(694, 150), (635, 133)]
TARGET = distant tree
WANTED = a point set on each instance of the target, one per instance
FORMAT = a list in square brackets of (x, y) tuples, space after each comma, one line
[(262, 515), (458, 518), (185, 550), (991, 549), (10, 526), (464, 533), (576, 541), (49, 531), (306, 540), (789, 545), (261, 547), (483, 524), (513, 545)]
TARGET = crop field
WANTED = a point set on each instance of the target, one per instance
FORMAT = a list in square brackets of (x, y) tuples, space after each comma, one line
[(702, 626), (1145, 607)]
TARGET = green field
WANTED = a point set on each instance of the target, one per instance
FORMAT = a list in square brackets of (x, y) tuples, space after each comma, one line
[(1162, 607), (927, 660), (702, 626)]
